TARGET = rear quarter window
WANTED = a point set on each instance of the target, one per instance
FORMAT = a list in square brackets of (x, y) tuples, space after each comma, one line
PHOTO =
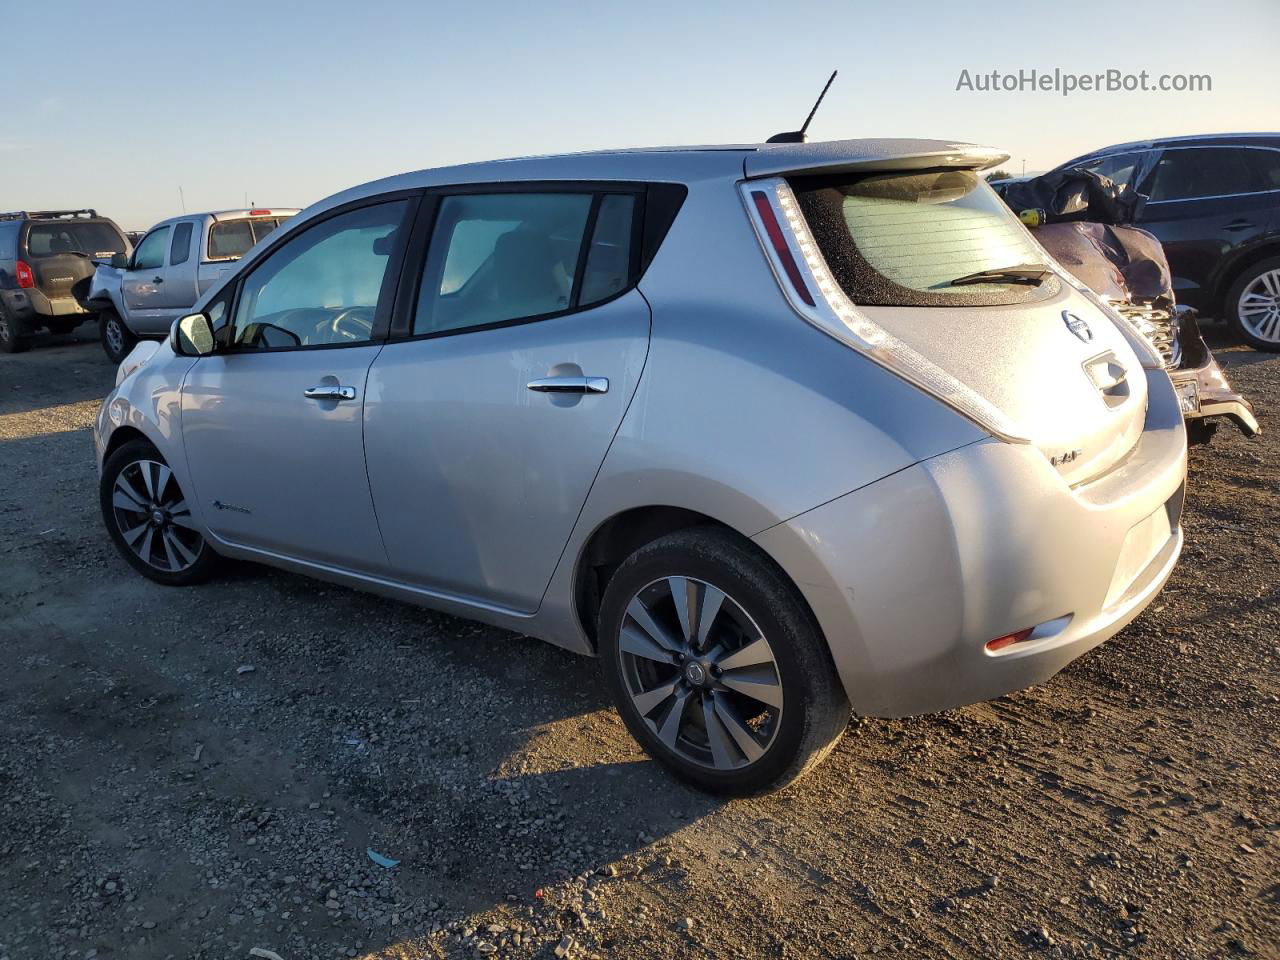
[(899, 239)]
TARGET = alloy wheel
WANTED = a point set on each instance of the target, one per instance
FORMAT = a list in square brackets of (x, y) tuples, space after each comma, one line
[(114, 335), (153, 517), (700, 673), (1259, 307), (5, 331)]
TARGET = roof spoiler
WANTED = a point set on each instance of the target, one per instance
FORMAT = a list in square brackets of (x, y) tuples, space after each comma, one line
[(863, 156)]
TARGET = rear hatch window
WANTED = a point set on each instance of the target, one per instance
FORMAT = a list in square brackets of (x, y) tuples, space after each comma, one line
[(93, 239), (936, 260), (232, 239), (903, 239)]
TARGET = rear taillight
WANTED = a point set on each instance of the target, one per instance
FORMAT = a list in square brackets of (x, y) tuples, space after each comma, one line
[(780, 248), (26, 279)]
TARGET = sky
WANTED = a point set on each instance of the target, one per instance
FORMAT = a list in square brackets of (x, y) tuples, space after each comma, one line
[(136, 108)]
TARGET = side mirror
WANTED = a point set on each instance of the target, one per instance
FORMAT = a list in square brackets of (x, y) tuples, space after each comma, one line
[(120, 261), (192, 336)]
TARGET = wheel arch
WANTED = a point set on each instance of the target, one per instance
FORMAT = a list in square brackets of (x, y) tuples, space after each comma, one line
[(1264, 250), (120, 436), (617, 537)]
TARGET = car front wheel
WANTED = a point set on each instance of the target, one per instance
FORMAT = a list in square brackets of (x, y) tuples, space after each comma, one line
[(1253, 305), (117, 339), (717, 666), (149, 518)]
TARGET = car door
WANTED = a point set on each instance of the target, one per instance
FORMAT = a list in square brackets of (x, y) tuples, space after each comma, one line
[(1203, 203), (142, 285), (486, 422), (178, 291), (272, 420)]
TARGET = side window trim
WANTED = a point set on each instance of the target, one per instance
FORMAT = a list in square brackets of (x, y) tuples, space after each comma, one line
[(390, 280), (415, 262)]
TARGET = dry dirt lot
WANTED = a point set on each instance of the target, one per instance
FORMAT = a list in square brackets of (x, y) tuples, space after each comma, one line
[(158, 799)]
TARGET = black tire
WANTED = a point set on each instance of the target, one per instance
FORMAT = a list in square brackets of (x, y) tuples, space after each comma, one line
[(814, 709), (1231, 306), (117, 339), (60, 328), (131, 454), (13, 338)]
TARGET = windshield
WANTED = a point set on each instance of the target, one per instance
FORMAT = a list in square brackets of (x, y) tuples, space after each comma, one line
[(232, 239), (904, 239), (94, 239)]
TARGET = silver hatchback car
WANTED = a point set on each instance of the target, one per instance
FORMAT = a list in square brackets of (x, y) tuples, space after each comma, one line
[(776, 431)]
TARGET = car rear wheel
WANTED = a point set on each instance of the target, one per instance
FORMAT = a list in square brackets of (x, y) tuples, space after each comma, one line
[(1253, 305), (717, 666), (149, 518), (117, 339), (11, 335)]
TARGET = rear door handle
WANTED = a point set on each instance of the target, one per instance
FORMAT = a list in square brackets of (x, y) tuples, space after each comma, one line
[(1238, 225), (157, 279), (570, 385), (329, 393)]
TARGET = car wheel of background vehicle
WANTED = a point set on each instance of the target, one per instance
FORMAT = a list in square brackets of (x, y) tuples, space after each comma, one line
[(716, 664), (117, 339), (149, 519), (1253, 305), (11, 338)]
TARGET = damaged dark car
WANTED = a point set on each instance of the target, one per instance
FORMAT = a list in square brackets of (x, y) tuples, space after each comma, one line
[(1078, 216)]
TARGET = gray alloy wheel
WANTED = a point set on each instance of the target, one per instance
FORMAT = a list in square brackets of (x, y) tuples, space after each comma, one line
[(113, 335), (700, 673), (1258, 307), (153, 517), (11, 340)]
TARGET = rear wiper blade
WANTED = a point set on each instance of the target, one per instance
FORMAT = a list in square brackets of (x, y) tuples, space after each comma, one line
[(1029, 273)]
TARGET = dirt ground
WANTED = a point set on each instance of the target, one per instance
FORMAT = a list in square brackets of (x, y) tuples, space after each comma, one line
[(199, 772)]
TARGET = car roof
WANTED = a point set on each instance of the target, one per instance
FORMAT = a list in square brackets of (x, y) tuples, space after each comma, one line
[(689, 163), (1259, 139), (220, 215)]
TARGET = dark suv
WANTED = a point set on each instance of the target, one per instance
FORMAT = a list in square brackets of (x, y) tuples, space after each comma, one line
[(1214, 203), (46, 261)]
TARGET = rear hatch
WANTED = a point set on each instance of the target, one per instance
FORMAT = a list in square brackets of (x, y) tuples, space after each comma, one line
[(925, 256), (61, 253)]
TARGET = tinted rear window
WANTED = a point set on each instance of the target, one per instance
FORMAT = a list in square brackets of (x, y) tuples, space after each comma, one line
[(91, 239), (899, 239), (232, 239)]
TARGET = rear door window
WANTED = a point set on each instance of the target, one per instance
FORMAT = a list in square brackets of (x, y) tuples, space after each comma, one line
[(901, 239), (496, 258), (1195, 172), (1266, 166), (91, 239), (180, 250)]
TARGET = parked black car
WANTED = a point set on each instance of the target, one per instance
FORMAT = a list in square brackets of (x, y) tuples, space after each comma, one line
[(46, 261), (1214, 203)]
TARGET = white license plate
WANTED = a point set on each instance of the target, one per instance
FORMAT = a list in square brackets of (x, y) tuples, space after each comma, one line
[(1188, 397)]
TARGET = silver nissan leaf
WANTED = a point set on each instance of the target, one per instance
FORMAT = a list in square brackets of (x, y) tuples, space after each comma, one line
[(775, 431)]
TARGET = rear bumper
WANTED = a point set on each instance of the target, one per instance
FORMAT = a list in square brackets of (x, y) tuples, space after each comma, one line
[(31, 307), (910, 576), (1216, 397)]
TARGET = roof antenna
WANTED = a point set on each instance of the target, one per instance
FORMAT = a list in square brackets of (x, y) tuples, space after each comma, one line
[(798, 136)]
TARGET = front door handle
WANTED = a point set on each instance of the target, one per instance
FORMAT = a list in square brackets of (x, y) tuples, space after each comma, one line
[(329, 393), (570, 385)]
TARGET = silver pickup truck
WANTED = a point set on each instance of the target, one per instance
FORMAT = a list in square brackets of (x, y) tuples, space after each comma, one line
[(140, 295)]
